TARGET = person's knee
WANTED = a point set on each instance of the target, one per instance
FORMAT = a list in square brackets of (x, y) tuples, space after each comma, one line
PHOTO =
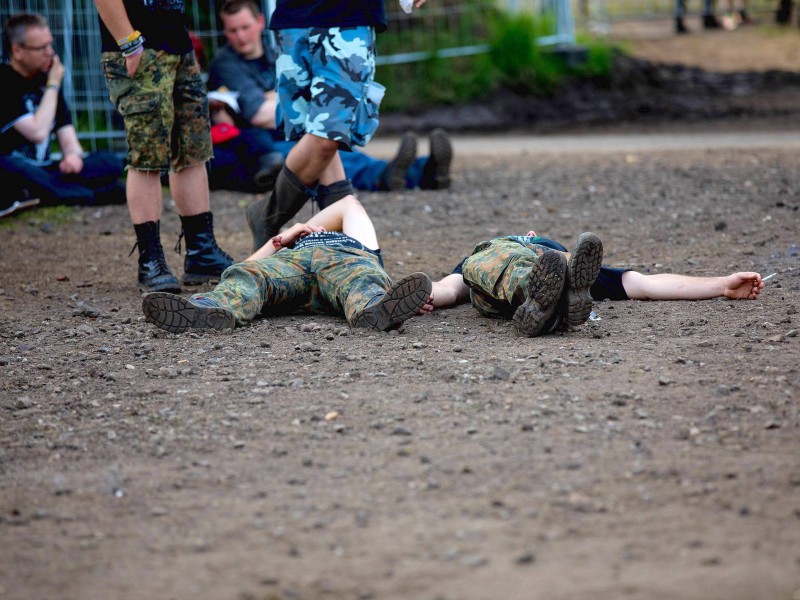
[(326, 148)]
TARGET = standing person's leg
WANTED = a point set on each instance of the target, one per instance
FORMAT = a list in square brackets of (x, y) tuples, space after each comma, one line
[(146, 105), (188, 179)]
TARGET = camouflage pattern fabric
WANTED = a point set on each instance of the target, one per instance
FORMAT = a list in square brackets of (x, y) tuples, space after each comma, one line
[(165, 109), (497, 272), (319, 279), (325, 85)]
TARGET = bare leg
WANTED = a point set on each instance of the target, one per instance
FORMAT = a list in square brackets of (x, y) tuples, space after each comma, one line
[(189, 189), (314, 157), (143, 189)]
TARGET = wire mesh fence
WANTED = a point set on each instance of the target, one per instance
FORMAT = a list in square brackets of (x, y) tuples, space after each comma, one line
[(443, 29)]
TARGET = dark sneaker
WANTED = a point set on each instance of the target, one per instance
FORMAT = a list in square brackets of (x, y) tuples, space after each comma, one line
[(582, 270), (393, 176), (401, 302), (177, 314), (711, 22), (539, 314), (16, 205)]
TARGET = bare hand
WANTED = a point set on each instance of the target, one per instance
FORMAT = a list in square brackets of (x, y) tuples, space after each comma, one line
[(295, 232), (743, 286), (56, 72), (419, 3), (71, 163), (132, 63), (531, 233), (428, 307)]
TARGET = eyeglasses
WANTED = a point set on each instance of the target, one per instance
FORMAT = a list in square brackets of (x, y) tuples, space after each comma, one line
[(42, 48)]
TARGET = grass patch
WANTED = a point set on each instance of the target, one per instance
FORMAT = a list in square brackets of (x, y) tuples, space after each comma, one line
[(36, 217)]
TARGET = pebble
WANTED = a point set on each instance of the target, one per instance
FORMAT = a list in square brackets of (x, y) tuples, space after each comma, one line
[(664, 380)]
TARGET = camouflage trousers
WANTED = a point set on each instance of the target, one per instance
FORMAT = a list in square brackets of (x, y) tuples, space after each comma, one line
[(320, 279), (325, 84), (164, 107), (497, 275)]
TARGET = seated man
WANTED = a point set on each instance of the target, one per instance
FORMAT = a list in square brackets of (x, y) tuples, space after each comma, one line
[(491, 286), (32, 107), (332, 264), (246, 65)]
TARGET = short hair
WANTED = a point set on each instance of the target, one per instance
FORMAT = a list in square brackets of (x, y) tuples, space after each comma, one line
[(231, 7), (17, 26)]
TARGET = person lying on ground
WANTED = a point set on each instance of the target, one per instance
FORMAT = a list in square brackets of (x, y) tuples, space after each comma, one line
[(330, 265), (490, 279)]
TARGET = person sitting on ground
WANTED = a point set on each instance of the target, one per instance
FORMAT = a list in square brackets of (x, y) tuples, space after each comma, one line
[(31, 109), (330, 265), (489, 278), (246, 66)]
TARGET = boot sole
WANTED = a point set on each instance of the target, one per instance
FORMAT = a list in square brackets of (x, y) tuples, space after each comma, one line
[(177, 315), (406, 154), (442, 150), (545, 287), (404, 300), (584, 266)]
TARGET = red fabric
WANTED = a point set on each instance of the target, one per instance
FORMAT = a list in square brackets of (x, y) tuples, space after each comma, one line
[(222, 132)]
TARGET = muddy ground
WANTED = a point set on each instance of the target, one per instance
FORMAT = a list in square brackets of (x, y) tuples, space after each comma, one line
[(653, 453)]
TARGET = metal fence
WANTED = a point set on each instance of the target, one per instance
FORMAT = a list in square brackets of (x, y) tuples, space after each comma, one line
[(446, 28)]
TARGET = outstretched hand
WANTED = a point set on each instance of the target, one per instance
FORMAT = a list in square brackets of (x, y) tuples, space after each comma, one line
[(743, 286)]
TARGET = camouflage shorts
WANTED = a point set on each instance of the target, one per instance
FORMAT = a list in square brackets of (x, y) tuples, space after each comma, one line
[(318, 279), (165, 109), (325, 84), (497, 274)]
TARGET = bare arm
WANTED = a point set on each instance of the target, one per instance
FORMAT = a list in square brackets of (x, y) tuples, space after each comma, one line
[(265, 116), (668, 286), (449, 291), (114, 16), (347, 215), (71, 150), (37, 129)]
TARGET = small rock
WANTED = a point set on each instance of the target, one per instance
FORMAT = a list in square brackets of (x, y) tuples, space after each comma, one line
[(525, 559), (664, 380)]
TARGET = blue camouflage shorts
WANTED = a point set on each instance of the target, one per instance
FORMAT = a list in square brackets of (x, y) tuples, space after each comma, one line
[(325, 84)]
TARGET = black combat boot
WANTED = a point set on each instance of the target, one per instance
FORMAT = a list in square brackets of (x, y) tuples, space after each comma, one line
[(204, 261), (154, 274), (393, 176), (269, 165), (436, 172), (266, 216), (328, 194)]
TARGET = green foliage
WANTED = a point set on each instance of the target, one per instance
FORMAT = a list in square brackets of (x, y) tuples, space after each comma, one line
[(514, 60)]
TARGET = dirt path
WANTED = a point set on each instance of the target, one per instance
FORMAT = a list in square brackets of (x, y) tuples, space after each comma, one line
[(651, 454)]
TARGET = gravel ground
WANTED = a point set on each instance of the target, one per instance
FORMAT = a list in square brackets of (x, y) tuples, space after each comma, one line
[(652, 454)]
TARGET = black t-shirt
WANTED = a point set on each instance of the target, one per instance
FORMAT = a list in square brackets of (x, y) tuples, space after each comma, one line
[(607, 286), (291, 14), (20, 98), (334, 239), (162, 23)]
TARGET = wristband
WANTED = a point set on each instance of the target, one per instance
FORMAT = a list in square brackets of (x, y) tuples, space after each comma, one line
[(122, 41), (139, 49), (53, 86)]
